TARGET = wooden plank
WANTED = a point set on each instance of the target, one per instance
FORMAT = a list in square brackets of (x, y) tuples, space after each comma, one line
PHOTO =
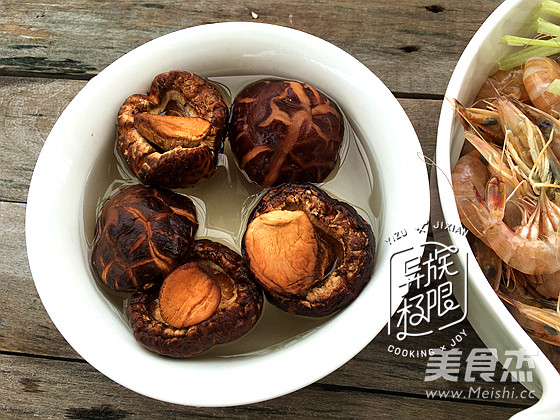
[(80, 38), (28, 110), (25, 328), (29, 107), (49, 389), (40, 375), (426, 128)]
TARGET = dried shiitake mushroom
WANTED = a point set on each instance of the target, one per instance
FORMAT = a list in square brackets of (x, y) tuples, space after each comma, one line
[(142, 234), (212, 299), (311, 253), (172, 137), (285, 131)]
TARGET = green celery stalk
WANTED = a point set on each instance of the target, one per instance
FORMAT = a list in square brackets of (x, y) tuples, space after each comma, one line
[(550, 7), (519, 41), (518, 58), (534, 47), (543, 26)]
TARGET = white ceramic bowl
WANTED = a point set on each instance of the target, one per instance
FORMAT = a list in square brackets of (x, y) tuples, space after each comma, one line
[(489, 317), (77, 166)]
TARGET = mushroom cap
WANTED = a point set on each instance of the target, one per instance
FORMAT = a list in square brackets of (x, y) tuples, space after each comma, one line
[(349, 235), (238, 312), (142, 234), (285, 131), (185, 163)]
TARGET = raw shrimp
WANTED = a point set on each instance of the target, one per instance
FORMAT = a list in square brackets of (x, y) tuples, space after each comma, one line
[(550, 129), (471, 174), (507, 82), (538, 316), (538, 73), (524, 142), (534, 247), (541, 317), (484, 121), (498, 162), (544, 323), (546, 286), (525, 158), (507, 192), (468, 175)]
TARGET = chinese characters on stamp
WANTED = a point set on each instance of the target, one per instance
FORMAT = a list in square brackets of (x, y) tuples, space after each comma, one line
[(426, 284)]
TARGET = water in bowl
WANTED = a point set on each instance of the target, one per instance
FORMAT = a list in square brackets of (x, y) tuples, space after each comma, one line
[(224, 203)]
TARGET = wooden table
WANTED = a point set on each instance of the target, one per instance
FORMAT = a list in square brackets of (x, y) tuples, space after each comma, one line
[(49, 50)]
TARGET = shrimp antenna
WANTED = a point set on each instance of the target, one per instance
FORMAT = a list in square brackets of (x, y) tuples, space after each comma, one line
[(540, 157), (430, 162), (460, 110), (498, 94), (514, 191)]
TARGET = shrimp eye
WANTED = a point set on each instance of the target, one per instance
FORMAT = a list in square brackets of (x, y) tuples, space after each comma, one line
[(546, 126), (490, 121), (550, 330)]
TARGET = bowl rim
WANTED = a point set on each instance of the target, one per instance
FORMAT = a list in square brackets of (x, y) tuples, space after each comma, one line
[(294, 366)]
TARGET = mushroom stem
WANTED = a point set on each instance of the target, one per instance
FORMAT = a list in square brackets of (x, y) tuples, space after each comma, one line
[(189, 295), (168, 131), (285, 251)]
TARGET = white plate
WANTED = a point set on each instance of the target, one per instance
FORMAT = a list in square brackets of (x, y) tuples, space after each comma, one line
[(75, 168), (489, 317)]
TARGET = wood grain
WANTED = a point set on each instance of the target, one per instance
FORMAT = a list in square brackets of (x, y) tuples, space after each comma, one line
[(48, 50), (29, 107), (52, 389), (78, 39), (26, 329), (33, 119), (25, 326)]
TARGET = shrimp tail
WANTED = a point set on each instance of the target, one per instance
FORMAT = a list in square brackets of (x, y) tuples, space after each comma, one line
[(496, 196), (493, 208)]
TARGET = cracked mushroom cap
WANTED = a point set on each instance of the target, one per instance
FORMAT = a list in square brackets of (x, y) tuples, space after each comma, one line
[(311, 253), (142, 234), (172, 137), (211, 299), (285, 131)]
